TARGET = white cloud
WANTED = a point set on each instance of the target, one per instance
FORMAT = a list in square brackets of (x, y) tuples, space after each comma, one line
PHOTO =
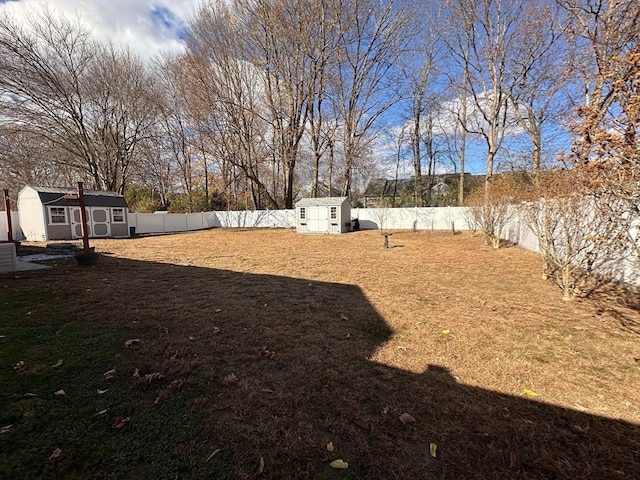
[(148, 27)]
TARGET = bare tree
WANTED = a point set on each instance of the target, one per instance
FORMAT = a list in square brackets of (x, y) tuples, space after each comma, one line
[(420, 75), (282, 37), (80, 97), (374, 36), (321, 118), (226, 92), (484, 33), (605, 148), (121, 114), (539, 67)]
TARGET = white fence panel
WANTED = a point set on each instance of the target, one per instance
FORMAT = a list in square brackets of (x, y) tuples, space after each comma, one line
[(195, 221), (148, 223), (174, 222), (257, 219), (421, 218), (15, 227)]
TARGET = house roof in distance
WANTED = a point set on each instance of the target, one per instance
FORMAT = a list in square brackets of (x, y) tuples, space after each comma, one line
[(54, 196)]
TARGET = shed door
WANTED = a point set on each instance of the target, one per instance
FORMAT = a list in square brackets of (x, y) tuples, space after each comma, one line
[(76, 223), (318, 219), (97, 222), (100, 225)]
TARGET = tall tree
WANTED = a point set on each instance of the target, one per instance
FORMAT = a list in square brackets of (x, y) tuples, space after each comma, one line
[(539, 60), (420, 74), (374, 37), (227, 94), (485, 32), (76, 95)]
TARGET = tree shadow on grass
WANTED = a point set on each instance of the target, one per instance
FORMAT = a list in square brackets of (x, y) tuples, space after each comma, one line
[(274, 368)]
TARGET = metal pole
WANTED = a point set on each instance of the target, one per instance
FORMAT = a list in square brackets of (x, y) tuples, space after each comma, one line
[(7, 211), (83, 220)]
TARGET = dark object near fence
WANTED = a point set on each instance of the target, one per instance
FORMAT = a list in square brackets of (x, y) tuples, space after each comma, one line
[(386, 239), (132, 232), (355, 225)]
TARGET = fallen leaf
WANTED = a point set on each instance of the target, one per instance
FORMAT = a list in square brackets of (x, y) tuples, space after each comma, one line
[(176, 384), (110, 375), (385, 410), (5, 429), (136, 373), (531, 393), (406, 418), (270, 354), (344, 317), (134, 342), (433, 449), (120, 422), (59, 392), (339, 464), (152, 377), (157, 400), (218, 310), (213, 454), (231, 378), (330, 447), (56, 453), (57, 364), (261, 466), (191, 338), (446, 332), (19, 366), (102, 392), (102, 412)]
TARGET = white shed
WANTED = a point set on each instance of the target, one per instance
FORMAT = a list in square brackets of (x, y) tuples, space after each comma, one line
[(323, 215), (51, 213)]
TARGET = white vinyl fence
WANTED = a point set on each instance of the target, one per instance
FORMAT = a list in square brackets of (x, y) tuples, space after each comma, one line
[(183, 222), (15, 227), (422, 218)]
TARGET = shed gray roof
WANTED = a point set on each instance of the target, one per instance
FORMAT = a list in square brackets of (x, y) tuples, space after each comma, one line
[(324, 201), (54, 196)]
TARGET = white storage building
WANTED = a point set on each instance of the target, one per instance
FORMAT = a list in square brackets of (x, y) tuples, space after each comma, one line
[(323, 215), (51, 213)]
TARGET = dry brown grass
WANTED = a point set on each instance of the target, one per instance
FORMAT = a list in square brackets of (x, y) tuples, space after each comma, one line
[(357, 332)]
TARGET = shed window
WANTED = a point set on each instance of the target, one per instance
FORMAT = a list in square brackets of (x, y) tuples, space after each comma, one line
[(117, 215), (303, 213), (334, 213), (57, 215)]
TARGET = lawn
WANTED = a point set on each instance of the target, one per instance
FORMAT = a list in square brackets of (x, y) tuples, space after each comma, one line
[(241, 354)]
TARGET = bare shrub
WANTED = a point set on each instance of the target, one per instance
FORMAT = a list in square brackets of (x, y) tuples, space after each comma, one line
[(580, 243), (492, 211)]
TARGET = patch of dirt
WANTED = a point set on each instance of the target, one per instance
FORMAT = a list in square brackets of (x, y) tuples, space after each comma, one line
[(302, 340)]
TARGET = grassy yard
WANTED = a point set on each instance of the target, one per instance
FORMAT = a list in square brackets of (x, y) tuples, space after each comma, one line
[(241, 354)]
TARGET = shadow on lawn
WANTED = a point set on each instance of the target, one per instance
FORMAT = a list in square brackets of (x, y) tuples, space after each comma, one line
[(299, 350)]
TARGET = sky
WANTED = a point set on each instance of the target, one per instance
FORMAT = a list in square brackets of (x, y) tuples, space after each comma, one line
[(148, 27)]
